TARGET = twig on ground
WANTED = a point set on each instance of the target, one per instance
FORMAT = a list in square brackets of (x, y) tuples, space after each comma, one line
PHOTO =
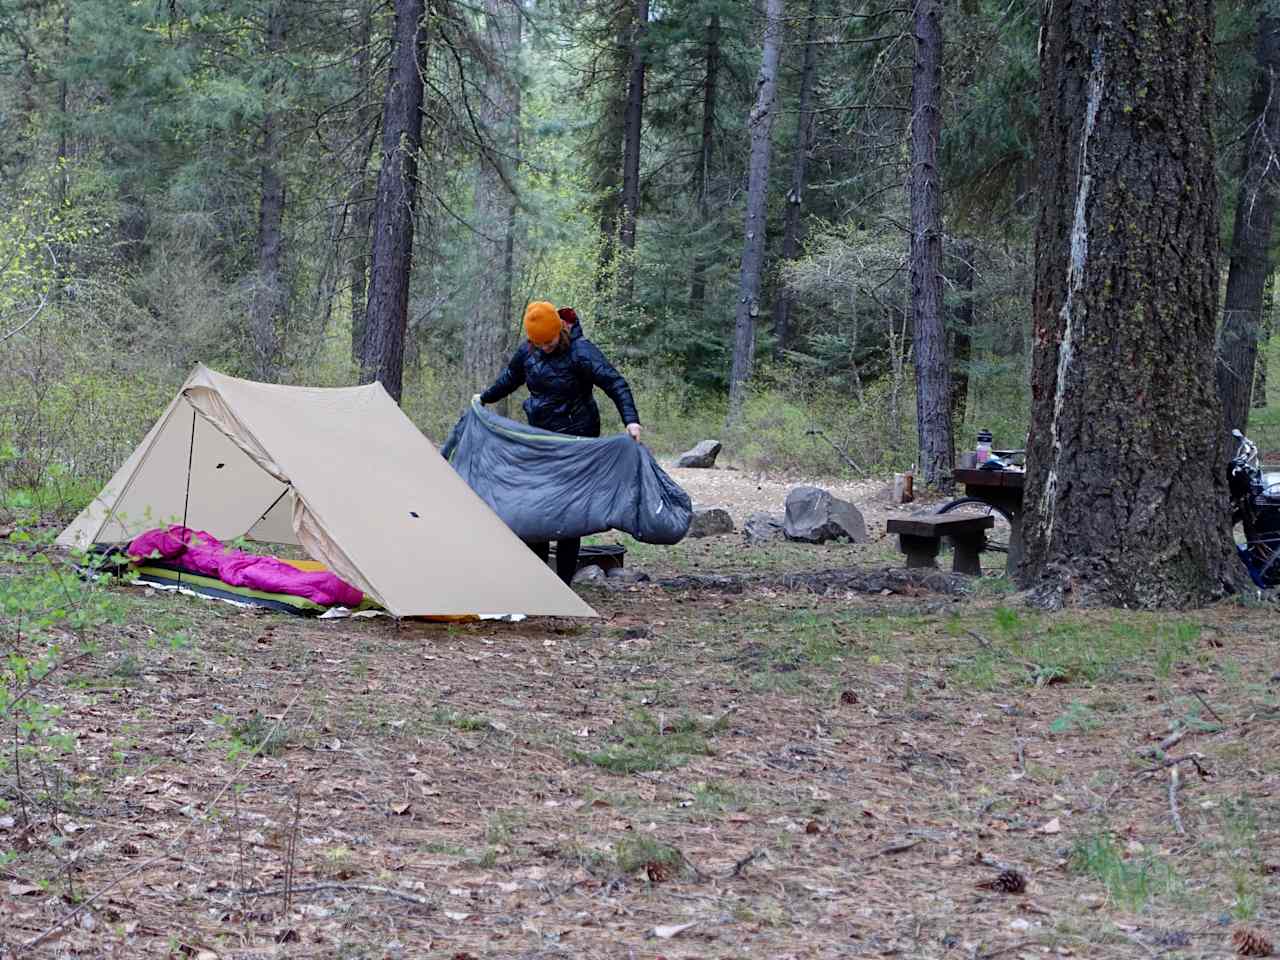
[(1212, 712), (982, 641), (1174, 780), (289, 891), (1007, 948), (742, 864), (896, 848), (1022, 758), (1193, 758), (1172, 740)]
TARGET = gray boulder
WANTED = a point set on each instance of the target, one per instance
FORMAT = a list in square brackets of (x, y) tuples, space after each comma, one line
[(589, 575), (703, 455), (815, 516), (710, 522), (763, 528)]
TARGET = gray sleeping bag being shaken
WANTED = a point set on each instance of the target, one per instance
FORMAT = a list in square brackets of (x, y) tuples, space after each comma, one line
[(552, 486)]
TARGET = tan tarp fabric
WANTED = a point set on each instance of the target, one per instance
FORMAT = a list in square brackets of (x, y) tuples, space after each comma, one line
[(341, 471)]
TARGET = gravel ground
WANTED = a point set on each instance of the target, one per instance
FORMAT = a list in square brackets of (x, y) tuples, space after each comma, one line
[(743, 493)]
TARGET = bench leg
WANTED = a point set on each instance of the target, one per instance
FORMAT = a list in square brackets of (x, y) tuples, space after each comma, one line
[(965, 550), (920, 551)]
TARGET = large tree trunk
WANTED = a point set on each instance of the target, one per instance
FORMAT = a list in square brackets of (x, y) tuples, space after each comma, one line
[(701, 175), (933, 370), (1126, 499), (760, 125), (395, 203), (1251, 235), (799, 167), (359, 201), (1264, 338), (961, 327), (485, 337), (632, 125), (266, 312)]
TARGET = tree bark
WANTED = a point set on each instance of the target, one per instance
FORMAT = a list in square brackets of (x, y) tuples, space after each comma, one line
[(760, 126), (961, 328), (485, 338), (1126, 499), (799, 166), (1264, 338), (932, 368), (632, 126), (1251, 234), (396, 200), (267, 310), (701, 175), (358, 200)]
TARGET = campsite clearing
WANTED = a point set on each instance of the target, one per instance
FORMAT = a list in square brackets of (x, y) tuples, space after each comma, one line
[(766, 774)]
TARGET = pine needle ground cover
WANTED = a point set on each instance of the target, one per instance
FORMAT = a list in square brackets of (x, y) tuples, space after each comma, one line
[(697, 775)]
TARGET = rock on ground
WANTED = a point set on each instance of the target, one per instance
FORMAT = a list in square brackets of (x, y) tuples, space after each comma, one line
[(815, 516), (702, 456), (710, 522), (763, 528), (591, 574)]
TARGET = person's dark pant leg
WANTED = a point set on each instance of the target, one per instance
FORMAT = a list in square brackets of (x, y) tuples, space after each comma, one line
[(567, 558), (541, 550)]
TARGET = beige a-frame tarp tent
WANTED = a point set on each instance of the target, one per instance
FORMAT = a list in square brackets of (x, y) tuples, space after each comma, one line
[(341, 472)]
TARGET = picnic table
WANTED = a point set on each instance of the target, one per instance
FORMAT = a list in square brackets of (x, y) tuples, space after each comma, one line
[(999, 490)]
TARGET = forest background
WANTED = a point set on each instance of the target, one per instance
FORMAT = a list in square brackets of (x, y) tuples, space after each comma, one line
[(197, 181)]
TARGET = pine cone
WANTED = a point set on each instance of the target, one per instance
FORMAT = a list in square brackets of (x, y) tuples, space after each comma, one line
[(658, 871), (1009, 881), (1250, 943)]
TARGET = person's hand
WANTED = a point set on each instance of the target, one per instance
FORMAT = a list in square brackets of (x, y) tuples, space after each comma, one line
[(475, 398), (634, 430)]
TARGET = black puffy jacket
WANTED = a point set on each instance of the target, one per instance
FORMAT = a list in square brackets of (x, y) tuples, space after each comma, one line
[(560, 386)]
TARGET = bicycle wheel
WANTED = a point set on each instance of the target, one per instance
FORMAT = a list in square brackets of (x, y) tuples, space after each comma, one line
[(995, 553)]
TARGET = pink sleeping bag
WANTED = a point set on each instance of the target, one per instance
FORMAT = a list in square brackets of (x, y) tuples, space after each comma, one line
[(199, 552)]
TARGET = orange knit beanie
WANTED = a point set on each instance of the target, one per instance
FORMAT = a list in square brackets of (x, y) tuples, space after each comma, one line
[(542, 325)]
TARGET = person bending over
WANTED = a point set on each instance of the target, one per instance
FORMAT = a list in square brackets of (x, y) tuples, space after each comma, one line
[(561, 368)]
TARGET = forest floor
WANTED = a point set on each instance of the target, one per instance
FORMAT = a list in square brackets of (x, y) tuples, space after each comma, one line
[(766, 773)]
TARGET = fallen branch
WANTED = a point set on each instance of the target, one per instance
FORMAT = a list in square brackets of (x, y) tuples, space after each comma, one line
[(896, 848), (1212, 712), (1172, 740), (742, 864), (702, 876), (1192, 758), (1174, 780), (289, 891)]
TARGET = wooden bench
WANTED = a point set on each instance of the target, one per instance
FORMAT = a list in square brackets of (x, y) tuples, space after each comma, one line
[(921, 537)]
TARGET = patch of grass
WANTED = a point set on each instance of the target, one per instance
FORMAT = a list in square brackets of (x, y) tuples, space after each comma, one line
[(448, 849), (459, 721), (1130, 882), (502, 826), (338, 863), (1077, 717), (637, 853), (127, 667), (1043, 650), (255, 732), (645, 744)]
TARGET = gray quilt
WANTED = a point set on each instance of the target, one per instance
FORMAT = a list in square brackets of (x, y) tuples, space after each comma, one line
[(550, 486)]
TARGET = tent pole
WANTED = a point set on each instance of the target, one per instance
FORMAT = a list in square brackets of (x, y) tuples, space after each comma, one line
[(186, 499)]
